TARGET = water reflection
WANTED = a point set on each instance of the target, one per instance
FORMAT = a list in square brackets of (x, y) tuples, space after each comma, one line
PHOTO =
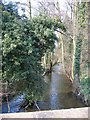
[(14, 105)]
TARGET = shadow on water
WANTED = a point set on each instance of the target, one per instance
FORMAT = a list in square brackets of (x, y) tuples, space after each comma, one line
[(58, 94), (14, 105)]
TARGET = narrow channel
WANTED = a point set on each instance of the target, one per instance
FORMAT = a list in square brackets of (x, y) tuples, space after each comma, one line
[(58, 94)]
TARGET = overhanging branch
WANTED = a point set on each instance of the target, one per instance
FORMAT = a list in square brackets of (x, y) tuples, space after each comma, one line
[(65, 34)]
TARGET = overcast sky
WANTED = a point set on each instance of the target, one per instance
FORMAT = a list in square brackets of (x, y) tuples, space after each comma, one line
[(34, 3)]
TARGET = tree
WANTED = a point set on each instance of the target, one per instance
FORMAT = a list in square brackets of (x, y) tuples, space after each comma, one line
[(24, 44)]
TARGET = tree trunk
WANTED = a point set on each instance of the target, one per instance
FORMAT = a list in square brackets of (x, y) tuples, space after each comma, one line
[(75, 31), (45, 60), (29, 9), (89, 38), (77, 58), (62, 53), (76, 49)]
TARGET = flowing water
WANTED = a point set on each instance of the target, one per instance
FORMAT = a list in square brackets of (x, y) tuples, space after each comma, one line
[(58, 94)]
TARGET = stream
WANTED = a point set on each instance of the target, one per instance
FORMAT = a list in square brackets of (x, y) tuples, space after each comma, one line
[(58, 95)]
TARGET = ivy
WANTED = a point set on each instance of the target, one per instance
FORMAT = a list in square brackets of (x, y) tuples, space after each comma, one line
[(24, 44), (77, 56)]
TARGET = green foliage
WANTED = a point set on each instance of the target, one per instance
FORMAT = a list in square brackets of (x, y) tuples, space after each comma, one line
[(24, 44), (82, 14), (79, 40), (77, 56), (11, 8), (85, 83)]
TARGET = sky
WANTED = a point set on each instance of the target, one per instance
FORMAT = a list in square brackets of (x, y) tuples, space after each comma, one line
[(32, 1), (34, 4), (22, 1)]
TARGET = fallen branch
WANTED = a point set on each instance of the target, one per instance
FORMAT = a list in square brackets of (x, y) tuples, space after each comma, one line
[(27, 106), (8, 104), (37, 106)]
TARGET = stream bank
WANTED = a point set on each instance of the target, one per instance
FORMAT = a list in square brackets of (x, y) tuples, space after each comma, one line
[(58, 95)]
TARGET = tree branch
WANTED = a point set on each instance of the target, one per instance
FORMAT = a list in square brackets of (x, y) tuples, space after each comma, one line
[(65, 34)]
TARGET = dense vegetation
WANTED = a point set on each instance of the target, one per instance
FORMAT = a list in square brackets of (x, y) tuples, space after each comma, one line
[(28, 47), (24, 44)]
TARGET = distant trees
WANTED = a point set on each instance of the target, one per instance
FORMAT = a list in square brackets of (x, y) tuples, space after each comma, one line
[(78, 46), (72, 44), (81, 20)]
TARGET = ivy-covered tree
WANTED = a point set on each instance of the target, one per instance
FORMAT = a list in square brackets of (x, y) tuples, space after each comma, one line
[(24, 44)]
